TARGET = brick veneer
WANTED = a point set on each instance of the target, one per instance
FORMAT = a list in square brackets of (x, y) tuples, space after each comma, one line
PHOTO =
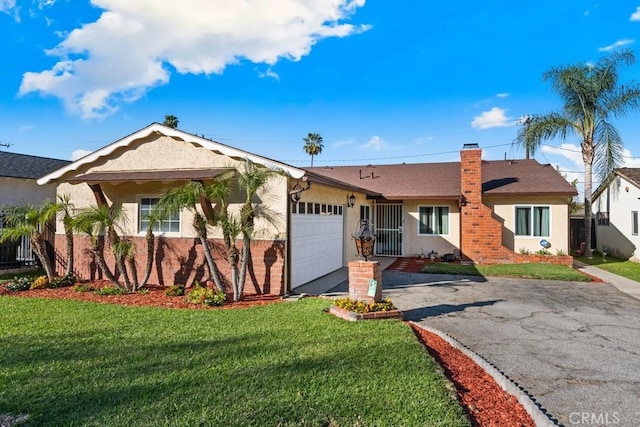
[(181, 261), (360, 273), (481, 233)]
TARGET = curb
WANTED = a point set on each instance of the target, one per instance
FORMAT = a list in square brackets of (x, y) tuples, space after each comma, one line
[(539, 415)]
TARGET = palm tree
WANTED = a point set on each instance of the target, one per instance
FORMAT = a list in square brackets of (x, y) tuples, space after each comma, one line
[(591, 95), (313, 145), (66, 207), (30, 221), (171, 121), (188, 196)]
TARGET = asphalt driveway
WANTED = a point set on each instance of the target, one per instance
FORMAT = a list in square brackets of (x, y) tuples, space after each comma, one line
[(574, 347)]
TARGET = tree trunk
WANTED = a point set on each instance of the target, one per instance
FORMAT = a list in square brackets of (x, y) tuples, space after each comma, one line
[(587, 157), (97, 250), (201, 228), (114, 239), (151, 250), (245, 257), (38, 245), (68, 232), (131, 262)]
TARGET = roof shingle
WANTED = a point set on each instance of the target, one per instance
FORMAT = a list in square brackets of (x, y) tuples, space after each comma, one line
[(14, 165)]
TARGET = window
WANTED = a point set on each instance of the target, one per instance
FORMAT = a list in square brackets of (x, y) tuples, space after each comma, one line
[(532, 221), (167, 225), (602, 218), (365, 212), (634, 223), (433, 220)]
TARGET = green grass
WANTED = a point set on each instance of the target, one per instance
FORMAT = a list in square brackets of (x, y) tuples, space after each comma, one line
[(624, 268), (529, 271), (287, 364)]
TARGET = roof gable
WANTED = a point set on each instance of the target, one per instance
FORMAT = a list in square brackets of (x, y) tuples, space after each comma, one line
[(25, 166), (107, 151)]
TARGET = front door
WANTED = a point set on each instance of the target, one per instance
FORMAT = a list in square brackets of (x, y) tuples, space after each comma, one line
[(389, 225)]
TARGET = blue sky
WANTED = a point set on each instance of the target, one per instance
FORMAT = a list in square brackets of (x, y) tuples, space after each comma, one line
[(382, 82)]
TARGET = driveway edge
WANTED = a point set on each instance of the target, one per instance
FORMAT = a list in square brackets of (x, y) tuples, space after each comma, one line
[(537, 413)]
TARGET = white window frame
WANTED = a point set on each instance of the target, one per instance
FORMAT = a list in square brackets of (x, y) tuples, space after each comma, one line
[(160, 231), (531, 210), (448, 208)]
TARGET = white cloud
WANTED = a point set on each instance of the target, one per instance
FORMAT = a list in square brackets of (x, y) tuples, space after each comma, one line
[(493, 118), (635, 16), (570, 152), (78, 154), (502, 95), (269, 73), (375, 143), (95, 73), (615, 45), (7, 5), (342, 143), (629, 160)]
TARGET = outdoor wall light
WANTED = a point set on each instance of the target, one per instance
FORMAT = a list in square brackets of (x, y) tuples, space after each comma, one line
[(294, 194), (351, 200)]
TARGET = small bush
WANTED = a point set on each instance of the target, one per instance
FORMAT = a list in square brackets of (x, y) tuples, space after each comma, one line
[(174, 291), (363, 307), (83, 287), (19, 284), (63, 281), (41, 282), (525, 251), (143, 291), (543, 251), (206, 296), (561, 252), (109, 290)]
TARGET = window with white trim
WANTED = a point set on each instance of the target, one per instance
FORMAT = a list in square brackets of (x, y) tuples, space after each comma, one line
[(365, 212), (634, 223), (166, 225), (533, 221), (433, 220)]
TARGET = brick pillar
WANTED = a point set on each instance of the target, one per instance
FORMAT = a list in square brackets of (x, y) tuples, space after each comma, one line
[(360, 275)]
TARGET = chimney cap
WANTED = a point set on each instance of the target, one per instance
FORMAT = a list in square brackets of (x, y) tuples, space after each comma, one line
[(470, 145)]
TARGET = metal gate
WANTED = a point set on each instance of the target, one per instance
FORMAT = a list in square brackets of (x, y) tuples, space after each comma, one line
[(389, 225)]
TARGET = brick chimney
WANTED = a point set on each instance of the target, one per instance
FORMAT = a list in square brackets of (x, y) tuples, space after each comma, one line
[(480, 232)]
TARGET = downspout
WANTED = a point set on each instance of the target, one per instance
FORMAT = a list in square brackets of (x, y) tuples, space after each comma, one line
[(287, 244)]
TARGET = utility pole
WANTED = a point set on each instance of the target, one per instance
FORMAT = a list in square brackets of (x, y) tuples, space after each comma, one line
[(526, 121)]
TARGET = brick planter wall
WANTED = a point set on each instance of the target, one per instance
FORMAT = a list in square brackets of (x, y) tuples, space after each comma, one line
[(352, 316), (360, 273), (182, 261)]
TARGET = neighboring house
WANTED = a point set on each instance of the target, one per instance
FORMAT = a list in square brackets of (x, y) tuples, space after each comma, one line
[(615, 206), (18, 186), (487, 210)]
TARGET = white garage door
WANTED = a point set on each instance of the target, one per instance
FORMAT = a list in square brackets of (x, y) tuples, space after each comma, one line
[(316, 241)]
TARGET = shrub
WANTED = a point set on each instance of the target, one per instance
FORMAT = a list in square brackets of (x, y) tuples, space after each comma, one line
[(525, 251), (543, 251), (561, 252), (174, 291), (206, 296), (362, 306), (83, 287), (41, 282), (63, 281), (18, 284), (143, 291), (109, 290)]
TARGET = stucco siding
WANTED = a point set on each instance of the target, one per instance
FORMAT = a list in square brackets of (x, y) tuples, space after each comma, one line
[(618, 235), (18, 191), (416, 244), (505, 212)]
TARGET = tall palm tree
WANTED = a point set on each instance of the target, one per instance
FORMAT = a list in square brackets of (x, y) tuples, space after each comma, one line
[(313, 145), (171, 121), (30, 221), (591, 95)]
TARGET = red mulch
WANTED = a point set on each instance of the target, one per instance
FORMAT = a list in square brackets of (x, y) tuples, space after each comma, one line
[(485, 402)]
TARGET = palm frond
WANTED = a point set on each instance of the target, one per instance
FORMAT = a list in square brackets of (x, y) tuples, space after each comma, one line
[(609, 153)]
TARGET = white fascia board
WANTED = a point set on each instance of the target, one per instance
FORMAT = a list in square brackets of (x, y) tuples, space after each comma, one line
[(177, 134)]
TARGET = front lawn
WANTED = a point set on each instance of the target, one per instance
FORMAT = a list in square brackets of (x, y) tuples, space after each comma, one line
[(78, 363), (624, 268), (529, 271)]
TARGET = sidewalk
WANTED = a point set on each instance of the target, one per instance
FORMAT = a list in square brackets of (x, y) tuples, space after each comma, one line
[(628, 286)]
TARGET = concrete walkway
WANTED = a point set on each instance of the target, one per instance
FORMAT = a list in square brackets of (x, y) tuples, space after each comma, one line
[(628, 286)]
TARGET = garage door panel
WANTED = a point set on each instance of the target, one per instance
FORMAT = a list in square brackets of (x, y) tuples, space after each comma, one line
[(316, 247)]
